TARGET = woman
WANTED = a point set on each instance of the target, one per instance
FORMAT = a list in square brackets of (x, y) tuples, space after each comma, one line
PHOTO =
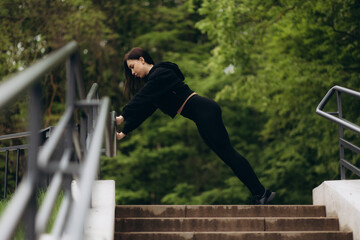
[(162, 86)]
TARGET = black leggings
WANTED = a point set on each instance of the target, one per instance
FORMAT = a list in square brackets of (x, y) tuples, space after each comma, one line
[(206, 113)]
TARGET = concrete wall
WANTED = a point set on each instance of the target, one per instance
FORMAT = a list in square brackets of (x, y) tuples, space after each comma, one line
[(342, 199), (100, 223)]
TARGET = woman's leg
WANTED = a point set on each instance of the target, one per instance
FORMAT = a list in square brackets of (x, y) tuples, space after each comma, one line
[(207, 115)]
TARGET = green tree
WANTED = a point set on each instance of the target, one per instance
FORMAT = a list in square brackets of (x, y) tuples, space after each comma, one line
[(31, 29), (286, 55), (267, 63)]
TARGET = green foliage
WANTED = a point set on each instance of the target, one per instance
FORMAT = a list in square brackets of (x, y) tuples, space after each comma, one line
[(267, 63), (286, 55), (40, 196)]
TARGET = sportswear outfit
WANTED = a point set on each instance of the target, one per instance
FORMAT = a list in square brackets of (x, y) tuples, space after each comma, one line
[(165, 89)]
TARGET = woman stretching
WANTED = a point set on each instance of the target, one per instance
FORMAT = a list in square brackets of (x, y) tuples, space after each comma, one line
[(162, 86)]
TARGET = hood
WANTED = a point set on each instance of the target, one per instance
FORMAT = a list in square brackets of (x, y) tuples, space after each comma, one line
[(171, 66)]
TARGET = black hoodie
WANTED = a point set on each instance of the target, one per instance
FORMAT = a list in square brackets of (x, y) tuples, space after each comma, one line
[(164, 89)]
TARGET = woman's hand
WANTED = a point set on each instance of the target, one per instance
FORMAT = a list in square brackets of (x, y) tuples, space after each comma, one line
[(120, 136), (119, 120)]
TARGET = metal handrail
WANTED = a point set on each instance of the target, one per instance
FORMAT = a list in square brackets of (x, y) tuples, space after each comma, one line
[(24, 197), (343, 123), (65, 139), (45, 133), (53, 191), (49, 147), (14, 135), (22, 81), (21, 134), (92, 92), (88, 174)]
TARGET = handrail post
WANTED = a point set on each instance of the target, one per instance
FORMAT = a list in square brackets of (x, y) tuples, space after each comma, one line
[(83, 131), (32, 169), (17, 168), (6, 173), (111, 135), (78, 75), (341, 135), (70, 98)]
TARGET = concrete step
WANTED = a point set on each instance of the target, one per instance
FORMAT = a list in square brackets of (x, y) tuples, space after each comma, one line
[(234, 236), (225, 224), (219, 211)]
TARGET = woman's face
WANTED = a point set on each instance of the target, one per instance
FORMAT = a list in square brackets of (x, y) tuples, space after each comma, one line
[(137, 67)]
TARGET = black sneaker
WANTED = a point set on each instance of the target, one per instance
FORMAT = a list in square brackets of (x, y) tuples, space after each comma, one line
[(264, 199)]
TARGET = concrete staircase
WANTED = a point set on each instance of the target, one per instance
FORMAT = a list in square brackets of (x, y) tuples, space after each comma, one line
[(226, 222)]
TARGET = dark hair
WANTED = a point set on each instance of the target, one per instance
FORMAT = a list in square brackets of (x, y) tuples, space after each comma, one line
[(132, 83)]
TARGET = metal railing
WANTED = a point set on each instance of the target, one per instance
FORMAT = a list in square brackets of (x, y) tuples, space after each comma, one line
[(70, 152), (20, 152), (337, 117)]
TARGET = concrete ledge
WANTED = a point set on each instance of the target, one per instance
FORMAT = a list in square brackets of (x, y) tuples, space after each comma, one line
[(210, 211), (342, 200), (101, 218)]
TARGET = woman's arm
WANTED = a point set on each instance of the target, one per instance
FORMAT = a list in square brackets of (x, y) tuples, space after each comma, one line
[(142, 105), (137, 116)]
